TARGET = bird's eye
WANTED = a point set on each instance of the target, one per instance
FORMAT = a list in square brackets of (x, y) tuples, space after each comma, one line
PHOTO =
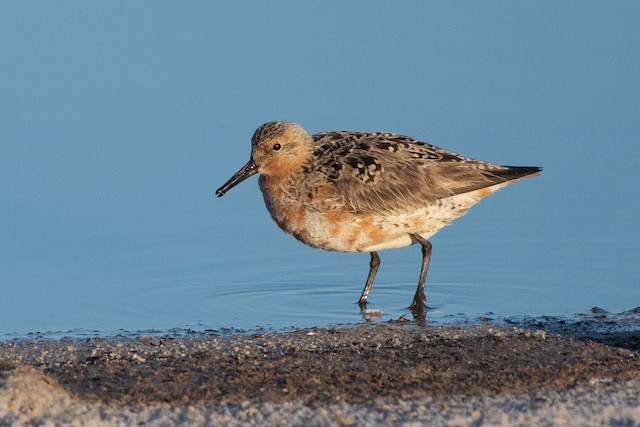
[(276, 147)]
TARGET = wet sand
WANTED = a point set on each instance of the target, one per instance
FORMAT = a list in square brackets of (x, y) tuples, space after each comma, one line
[(378, 373)]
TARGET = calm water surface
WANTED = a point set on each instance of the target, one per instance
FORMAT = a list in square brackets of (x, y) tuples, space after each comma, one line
[(117, 126), (235, 269)]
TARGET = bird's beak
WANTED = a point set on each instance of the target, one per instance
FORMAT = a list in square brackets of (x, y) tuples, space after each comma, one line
[(247, 170)]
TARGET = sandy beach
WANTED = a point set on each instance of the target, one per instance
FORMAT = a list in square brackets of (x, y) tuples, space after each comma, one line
[(535, 373)]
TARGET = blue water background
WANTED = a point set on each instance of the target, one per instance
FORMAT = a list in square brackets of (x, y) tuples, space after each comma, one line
[(118, 120)]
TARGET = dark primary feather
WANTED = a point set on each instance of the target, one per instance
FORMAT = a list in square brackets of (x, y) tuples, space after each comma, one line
[(384, 172)]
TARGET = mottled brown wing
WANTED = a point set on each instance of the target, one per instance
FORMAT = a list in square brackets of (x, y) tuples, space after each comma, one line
[(384, 172)]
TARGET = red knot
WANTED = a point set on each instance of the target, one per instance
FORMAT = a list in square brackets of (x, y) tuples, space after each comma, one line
[(366, 191)]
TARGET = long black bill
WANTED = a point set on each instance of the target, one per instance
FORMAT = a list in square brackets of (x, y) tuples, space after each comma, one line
[(244, 173)]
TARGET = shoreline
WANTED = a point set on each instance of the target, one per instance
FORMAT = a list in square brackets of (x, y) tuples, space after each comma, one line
[(381, 372)]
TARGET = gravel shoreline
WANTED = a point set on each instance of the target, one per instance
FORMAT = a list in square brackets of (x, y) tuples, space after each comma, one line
[(363, 375)]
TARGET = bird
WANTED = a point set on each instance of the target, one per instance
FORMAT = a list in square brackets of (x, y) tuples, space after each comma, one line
[(352, 191)]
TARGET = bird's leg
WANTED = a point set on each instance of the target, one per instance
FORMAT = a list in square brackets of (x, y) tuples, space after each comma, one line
[(417, 307), (373, 269)]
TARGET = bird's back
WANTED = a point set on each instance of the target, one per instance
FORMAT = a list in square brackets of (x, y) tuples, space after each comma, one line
[(390, 173)]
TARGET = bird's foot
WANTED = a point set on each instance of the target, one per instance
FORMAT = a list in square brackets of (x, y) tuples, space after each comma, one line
[(418, 308)]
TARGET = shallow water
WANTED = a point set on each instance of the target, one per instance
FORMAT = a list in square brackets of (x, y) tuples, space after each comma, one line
[(112, 148), (195, 283)]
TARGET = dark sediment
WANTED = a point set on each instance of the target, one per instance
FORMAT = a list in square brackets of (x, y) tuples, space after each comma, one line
[(317, 366)]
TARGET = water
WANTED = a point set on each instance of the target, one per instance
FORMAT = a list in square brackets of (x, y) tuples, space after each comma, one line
[(116, 130)]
